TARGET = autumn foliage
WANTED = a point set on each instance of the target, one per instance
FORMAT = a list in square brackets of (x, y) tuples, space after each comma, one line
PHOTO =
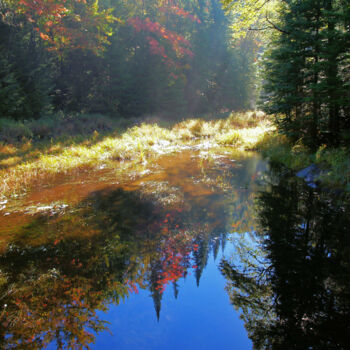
[(176, 253), (74, 24), (78, 24), (119, 58), (178, 43), (179, 12)]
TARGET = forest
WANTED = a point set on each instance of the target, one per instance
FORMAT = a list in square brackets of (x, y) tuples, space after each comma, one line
[(121, 58), (144, 141), (74, 67)]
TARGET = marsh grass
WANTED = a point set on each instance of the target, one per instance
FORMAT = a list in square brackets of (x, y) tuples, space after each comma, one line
[(335, 163), (28, 162)]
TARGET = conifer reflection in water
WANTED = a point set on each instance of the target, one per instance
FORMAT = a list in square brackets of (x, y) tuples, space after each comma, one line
[(295, 295), (58, 270)]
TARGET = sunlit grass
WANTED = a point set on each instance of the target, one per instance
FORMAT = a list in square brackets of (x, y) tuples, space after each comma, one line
[(23, 165), (334, 163)]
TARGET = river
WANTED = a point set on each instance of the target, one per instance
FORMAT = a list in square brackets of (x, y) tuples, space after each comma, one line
[(195, 250)]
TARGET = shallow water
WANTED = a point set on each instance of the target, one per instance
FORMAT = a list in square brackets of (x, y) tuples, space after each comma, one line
[(154, 259), (137, 255)]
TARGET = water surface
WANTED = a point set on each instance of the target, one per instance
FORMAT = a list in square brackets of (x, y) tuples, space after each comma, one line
[(128, 262), (195, 250), (293, 283)]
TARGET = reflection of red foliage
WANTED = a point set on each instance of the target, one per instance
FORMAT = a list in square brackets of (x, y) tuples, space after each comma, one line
[(132, 288), (176, 254)]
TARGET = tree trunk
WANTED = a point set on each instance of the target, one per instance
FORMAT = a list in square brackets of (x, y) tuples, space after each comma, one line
[(332, 80)]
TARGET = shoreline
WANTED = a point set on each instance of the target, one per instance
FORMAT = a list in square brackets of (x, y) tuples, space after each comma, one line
[(32, 163)]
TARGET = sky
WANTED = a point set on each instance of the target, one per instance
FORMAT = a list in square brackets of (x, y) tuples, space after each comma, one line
[(200, 318)]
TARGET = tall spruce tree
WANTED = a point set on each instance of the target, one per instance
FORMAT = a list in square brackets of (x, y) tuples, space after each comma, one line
[(307, 71)]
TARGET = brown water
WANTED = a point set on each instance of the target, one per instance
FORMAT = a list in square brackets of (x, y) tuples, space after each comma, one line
[(83, 243), (154, 256)]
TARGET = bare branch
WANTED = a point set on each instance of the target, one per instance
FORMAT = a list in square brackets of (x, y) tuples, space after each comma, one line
[(275, 27)]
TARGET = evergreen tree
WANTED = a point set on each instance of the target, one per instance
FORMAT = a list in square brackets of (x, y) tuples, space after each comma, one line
[(307, 71), (26, 70), (294, 295), (11, 95)]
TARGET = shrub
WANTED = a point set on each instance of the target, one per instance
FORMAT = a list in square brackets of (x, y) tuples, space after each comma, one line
[(13, 131)]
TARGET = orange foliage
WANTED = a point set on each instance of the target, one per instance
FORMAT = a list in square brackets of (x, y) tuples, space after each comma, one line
[(56, 304), (73, 24)]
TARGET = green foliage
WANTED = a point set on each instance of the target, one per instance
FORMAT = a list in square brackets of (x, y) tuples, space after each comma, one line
[(337, 164), (279, 149), (221, 76), (252, 17), (110, 66), (56, 126), (334, 162), (307, 72), (11, 94), (25, 72), (13, 131)]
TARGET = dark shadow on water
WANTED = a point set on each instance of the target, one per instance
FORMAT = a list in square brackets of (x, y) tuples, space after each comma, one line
[(296, 294)]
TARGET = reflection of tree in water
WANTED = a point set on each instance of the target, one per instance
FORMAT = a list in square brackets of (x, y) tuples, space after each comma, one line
[(58, 271), (52, 290), (301, 298)]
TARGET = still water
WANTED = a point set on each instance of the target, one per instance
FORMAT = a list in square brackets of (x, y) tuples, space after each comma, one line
[(194, 251)]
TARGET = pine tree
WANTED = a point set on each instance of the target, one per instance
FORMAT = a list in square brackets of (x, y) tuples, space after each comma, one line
[(306, 74), (11, 94)]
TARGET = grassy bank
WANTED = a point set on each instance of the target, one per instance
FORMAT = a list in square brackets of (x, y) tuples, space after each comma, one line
[(334, 163), (39, 150)]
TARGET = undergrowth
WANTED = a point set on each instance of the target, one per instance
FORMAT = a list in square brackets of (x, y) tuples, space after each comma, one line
[(334, 162)]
